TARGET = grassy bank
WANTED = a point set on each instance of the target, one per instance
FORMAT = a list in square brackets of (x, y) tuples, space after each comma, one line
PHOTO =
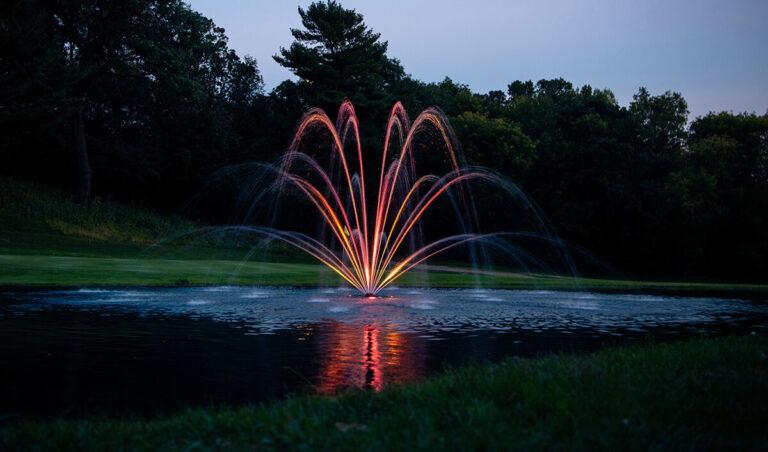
[(47, 239), (28, 270), (32, 208), (64, 270), (36, 220), (694, 395)]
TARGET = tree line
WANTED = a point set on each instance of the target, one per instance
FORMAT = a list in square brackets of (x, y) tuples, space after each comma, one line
[(142, 100)]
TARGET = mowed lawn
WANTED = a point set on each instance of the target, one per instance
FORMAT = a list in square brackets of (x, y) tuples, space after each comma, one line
[(31, 270), (73, 270)]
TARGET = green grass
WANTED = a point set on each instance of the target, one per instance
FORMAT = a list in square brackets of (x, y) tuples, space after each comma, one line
[(693, 395), (48, 239), (27, 270), (36, 209), (65, 270), (36, 220)]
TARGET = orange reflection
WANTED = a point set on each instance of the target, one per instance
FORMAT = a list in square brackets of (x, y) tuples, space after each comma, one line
[(368, 355)]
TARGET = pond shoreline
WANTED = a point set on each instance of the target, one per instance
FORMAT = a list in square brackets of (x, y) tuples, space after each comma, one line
[(756, 295)]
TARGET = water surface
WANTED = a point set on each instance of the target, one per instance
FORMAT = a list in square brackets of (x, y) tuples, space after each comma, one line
[(147, 350)]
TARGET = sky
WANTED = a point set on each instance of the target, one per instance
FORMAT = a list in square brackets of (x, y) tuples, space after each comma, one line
[(714, 52)]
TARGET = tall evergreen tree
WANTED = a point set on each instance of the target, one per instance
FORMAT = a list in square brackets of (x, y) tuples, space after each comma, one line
[(336, 55)]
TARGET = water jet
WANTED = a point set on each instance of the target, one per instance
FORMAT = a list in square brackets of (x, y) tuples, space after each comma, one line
[(370, 239)]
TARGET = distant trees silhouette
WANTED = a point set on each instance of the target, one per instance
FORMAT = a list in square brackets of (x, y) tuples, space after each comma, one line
[(147, 95), (145, 92)]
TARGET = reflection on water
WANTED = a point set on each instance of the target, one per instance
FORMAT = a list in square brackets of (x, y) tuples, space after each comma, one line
[(367, 355), (147, 350)]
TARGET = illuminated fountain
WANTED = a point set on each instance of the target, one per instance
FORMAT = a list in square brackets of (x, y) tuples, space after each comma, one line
[(364, 243)]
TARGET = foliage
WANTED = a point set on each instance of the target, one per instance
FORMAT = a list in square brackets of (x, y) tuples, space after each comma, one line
[(495, 143), (161, 95), (336, 51), (721, 193), (166, 104), (336, 56)]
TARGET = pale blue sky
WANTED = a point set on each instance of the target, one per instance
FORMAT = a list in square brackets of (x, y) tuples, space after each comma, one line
[(715, 52)]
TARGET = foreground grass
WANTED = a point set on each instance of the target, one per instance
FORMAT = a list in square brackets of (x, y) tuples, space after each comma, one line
[(694, 395)]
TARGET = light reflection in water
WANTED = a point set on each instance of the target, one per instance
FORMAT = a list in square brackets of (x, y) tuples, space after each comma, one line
[(368, 355)]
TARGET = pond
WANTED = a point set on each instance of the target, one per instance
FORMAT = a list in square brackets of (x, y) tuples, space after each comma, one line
[(150, 350)]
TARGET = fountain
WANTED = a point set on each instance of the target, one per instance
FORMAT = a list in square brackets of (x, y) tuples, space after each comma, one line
[(249, 344), (365, 243)]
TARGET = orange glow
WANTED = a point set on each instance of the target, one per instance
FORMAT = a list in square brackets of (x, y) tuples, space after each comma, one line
[(367, 355)]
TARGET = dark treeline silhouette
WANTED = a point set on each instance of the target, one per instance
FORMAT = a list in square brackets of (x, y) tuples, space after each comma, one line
[(142, 100)]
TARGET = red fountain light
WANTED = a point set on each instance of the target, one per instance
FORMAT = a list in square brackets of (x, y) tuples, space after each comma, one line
[(367, 258)]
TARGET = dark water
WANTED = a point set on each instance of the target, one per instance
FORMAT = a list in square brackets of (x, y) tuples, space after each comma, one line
[(156, 350)]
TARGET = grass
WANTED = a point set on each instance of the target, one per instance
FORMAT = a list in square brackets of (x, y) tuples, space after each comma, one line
[(26, 270), (36, 220), (692, 395), (37, 209), (63, 270), (46, 239)]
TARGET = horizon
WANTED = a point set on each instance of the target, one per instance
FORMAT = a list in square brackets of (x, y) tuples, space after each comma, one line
[(712, 52)]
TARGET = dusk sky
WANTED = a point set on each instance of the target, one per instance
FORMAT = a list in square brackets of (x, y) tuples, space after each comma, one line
[(714, 52)]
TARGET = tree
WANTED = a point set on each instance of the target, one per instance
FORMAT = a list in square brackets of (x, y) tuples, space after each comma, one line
[(336, 55), (96, 38), (554, 88), (519, 88), (494, 103), (722, 194), (663, 118), (146, 88), (496, 143), (34, 94), (748, 163)]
